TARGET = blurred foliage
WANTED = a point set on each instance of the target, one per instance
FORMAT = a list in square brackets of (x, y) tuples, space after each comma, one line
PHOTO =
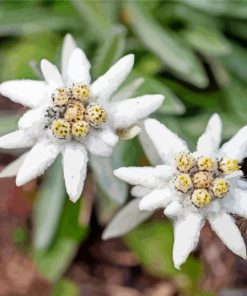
[(193, 52), (153, 243)]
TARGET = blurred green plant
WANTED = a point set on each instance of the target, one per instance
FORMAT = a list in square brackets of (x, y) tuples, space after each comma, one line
[(193, 52)]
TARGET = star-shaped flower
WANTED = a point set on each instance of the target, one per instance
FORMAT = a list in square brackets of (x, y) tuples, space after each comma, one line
[(70, 115), (194, 187)]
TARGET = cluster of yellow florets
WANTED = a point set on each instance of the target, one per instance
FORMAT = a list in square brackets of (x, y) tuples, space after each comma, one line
[(72, 113), (203, 178)]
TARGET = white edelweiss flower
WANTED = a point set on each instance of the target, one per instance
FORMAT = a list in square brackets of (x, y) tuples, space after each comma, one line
[(71, 115), (194, 187)]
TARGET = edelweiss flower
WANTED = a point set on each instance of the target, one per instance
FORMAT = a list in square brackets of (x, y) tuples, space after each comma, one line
[(71, 115), (194, 187)]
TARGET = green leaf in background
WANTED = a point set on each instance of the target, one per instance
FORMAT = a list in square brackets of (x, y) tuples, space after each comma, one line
[(19, 21), (65, 287), (152, 243), (8, 122), (48, 207), (121, 224), (171, 105), (111, 186), (236, 95), (236, 8), (36, 47), (236, 61), (52, 263), (95, 15), (171, 49), (111, 50), (208, 41)]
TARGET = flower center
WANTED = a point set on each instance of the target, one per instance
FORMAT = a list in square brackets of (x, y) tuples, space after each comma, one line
[(203, 178), (72, 114)]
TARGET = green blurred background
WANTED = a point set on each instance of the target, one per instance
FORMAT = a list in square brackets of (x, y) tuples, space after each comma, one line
[(192, 51)]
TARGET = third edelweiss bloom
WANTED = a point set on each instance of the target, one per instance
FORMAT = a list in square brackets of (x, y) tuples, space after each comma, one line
[(71, 115), (194, 187)]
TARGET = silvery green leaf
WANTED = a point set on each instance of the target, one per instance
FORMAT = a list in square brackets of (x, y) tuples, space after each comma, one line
[(129, 90), (125, 220), (207, 40), (48, 207), (12, 169), (170, 48), (94, 14), (221, 7), (171, 105), (110, 51), (111, 186), (8, 122)]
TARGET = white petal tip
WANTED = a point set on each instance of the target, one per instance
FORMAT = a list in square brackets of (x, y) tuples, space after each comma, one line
[(106, 236), (19, 182), (243, 254), (74, 198), (118, 172), (143, 207), (177, 266), (130, 57)]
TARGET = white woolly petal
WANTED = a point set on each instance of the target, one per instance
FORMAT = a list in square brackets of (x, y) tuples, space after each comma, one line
[(174, 209), (40, 157), (140, 191), (12, 169), (128, 112), (158, 198), (51, 74), (165, 141), (237, 203), (68, 46), (17, 139), (78, 68), (97, 146), (144, 176), (125, 220), (210, 140), (236, 147), (186, 236), (108, 83), (228, 232), (108, 136), (33, 119), (29, 93), (75, 169)]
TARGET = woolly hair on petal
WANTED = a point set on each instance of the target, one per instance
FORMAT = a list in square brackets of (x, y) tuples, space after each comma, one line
[(165, 141), (51, 74), (143, 176), (30, 93), (236, 147), (39, 158), (158, 198), (17, 139), (78, 68), (226, 229), (69, 45), (108, 83), (186, 235), (210, 140), (75, 169), (128, 112)]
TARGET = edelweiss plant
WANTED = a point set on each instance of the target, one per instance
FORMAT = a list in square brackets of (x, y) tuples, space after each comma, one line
[(194, 187), (71, 115)]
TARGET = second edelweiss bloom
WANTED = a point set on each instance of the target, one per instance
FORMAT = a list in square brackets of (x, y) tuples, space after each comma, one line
[(71, 115), (194, 187)]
